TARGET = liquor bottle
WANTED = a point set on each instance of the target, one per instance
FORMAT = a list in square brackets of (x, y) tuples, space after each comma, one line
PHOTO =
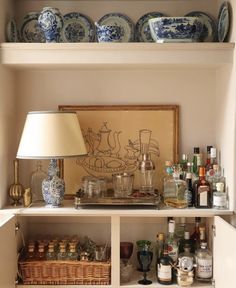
[(208, 159), (72, 254), (62, 254), (174, 190), (202, 235), (160, 244), (203, 191), (215, 177), (189, 193), (51, 254), (190, 170), (209, 167), (186, 241), (168, 176), (172, 241), (220, 197), (165, 268), (37, 178), (146, 174), (204, 263), (197, 160), (183, 164), (186, 259), (195, 237)]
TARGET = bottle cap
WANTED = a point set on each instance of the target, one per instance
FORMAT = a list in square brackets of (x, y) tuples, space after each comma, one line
[(186, 235), (213, 152), (196, 150), (220, 187), (209, 149), (189, 175)]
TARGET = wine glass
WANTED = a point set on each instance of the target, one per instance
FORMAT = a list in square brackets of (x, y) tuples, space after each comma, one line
[(145, 257)]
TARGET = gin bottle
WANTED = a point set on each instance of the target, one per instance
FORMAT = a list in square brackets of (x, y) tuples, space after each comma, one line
[(220, 197), (204, 263), (37, 178)]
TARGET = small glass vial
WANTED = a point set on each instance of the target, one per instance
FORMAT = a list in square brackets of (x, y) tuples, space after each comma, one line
[(204, 263), (51, 254), (72, 254), (219, 197), (62, 254)]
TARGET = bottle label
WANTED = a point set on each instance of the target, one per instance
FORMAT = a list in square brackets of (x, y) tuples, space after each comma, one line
[(203, 193), (199, 160), (164, 272), (173, 252), (219, 201), (204, 268)]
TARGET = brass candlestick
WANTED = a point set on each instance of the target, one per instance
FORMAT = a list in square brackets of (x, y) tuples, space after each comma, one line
[(16, 190)]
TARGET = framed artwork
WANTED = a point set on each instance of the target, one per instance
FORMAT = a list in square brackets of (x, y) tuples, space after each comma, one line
[(115, 138)]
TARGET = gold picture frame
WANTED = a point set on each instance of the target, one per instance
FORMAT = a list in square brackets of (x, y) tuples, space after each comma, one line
[(114, 136)]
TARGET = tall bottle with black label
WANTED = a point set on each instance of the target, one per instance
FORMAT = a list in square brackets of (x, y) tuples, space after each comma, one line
[(202, 191)]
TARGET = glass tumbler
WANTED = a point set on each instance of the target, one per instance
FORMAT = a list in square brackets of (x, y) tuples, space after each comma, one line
[(122, 184)]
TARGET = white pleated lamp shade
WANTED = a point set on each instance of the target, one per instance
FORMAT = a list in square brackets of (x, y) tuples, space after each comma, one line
[(51, 134)]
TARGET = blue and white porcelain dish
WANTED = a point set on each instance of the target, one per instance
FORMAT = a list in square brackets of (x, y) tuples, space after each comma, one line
[(142, 29), (223, 22), (209, 29), (121, 20), (108, 33), (77, 28), (175, 29), (11, 31), (51, 22), (30, 30)]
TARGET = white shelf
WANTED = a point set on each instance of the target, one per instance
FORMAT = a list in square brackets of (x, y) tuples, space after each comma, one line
[(69, 210), (102, 55)]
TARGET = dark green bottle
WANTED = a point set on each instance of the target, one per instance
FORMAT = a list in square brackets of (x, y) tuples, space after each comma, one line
[(165, 268)]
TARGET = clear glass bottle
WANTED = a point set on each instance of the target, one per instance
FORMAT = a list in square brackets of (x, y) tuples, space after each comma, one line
[(165, 268), (72, 254), (174, 190), (202, 191), (204, 263), (180, 228), (172, 241), (146, 173), (186, 241), (215, 177), (186, 259), (51, 253), (62, 253), (183, 164), (37, 178), (220, 197)]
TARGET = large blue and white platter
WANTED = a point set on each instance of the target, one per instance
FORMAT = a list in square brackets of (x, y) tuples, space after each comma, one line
[(77, 28), (30, 30), (209, 29), (223, 22), (143, 33), (121, 20)]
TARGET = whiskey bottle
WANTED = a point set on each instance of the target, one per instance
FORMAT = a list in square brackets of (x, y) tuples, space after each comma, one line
[(203, 191), (165, 268), (204, 263)]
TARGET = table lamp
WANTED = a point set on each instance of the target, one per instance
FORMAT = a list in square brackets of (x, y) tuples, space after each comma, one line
[(51, 135)]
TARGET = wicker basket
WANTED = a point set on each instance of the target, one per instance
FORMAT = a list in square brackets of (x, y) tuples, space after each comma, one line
[(65, 272)]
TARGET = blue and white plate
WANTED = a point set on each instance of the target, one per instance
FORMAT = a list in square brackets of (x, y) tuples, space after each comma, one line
[(121, 20), (30, 31), (209, 29), (223, 22), (142, 29), (77, 28), (12, 32)]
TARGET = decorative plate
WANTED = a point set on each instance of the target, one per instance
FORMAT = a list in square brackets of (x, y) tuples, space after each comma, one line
[(77, 28), (30, 30), (209, 30), (223, 22), (119, 19), (142, 29), (12, 32)]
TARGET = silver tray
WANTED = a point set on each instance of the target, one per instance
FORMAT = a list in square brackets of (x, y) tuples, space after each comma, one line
[(117, 201)]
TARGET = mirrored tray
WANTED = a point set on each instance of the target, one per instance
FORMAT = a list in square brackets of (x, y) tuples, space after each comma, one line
[(150, 200)]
